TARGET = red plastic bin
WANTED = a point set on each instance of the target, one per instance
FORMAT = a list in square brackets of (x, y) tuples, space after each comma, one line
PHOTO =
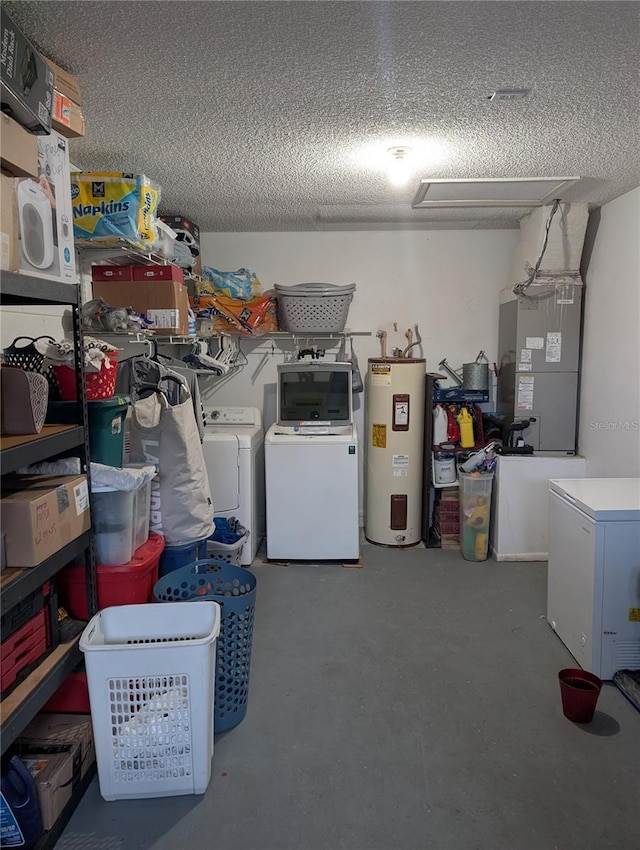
[(100, 385), (127, 584), (72, 697)]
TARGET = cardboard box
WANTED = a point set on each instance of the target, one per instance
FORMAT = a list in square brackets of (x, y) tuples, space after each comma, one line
[(55, 733), (41, 514), (164, 302), (112, 273), (19, 151), (9, 245), (64, 82), (53, 776), (45, 215), (27, 80), (67, 117)]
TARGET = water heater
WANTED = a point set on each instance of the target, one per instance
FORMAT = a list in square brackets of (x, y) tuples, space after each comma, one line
[(395, 432)]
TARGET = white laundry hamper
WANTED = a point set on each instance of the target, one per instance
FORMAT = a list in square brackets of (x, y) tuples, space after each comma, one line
[(150, 672)]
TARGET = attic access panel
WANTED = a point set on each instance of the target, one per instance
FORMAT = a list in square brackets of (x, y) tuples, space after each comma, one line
[(491, 192)]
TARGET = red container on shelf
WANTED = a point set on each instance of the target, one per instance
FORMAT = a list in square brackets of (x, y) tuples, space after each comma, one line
[(23, 648), (126, 584), (111, 272), (101, 384), (168, 272), (72, 697)]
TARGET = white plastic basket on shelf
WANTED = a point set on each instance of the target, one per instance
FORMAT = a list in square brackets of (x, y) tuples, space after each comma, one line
[(150, 674), (314, 307), (230, 553)]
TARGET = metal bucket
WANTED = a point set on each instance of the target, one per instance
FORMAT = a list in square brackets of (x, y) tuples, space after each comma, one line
[(475, 376)]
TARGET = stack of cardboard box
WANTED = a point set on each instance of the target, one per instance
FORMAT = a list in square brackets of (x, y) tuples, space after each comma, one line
[(41, 106), (157, 291)]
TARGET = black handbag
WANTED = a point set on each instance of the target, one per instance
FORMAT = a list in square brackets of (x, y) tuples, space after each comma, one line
[(27, 357)]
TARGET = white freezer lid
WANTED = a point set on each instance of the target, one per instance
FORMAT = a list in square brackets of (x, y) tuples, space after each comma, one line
[(609, 499)]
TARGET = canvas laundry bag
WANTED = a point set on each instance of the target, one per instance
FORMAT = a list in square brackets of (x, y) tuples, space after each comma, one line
[(167, 435)]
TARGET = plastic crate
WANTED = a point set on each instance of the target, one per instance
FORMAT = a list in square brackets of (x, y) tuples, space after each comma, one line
[(124, 584), (234, 588), (314, 307), (230, 553), (150, 674)]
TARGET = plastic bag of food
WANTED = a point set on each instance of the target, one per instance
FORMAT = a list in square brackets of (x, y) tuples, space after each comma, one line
[(242, 283), (233, 315), (111, 205)]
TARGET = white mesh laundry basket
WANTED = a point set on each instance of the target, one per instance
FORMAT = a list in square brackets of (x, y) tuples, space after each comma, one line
[(150, 674), (230, 553), (314, 307)]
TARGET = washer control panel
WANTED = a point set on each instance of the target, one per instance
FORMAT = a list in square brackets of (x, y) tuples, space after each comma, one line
[(223, 415)]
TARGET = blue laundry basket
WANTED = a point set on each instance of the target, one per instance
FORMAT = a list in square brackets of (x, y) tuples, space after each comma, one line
[(234, 589)]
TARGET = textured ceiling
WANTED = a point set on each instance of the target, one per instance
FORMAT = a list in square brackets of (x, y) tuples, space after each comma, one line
[(253, 116)]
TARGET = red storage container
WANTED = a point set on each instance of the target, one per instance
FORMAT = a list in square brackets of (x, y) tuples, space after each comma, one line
[(25, 646), (72, 697), (168, 272), (111, 272), (128, 584), (100, 385)]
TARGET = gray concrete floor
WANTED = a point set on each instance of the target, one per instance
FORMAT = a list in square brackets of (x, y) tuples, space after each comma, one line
[(412, 704)]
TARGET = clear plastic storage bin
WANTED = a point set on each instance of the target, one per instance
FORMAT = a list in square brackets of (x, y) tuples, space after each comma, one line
[(141, 514), (475, 514), (150, 672), (112, 515)]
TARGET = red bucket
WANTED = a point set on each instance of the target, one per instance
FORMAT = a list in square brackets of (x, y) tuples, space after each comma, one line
[(580, 691), (101, 384)]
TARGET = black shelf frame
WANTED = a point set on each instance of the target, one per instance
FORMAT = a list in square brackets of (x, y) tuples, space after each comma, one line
[(34, 577), (41, 449), (24, 290), (40, 693)]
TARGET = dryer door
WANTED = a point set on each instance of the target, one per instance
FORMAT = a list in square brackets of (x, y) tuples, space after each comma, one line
[(222, 459)]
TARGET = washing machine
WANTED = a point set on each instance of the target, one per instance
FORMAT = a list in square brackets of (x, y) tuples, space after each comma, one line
[(312, 494), (233, 448), (311, 464)]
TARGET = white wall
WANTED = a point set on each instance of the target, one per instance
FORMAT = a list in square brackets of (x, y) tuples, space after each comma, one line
[(445, 281), (609, 429)]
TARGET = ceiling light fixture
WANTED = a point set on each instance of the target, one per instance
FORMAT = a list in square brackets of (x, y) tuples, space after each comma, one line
[(399, 170)]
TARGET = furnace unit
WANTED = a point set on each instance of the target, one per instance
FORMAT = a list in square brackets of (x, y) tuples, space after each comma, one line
[(539, 360)]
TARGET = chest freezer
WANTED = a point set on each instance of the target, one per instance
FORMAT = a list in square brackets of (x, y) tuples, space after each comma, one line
[(593, 591)]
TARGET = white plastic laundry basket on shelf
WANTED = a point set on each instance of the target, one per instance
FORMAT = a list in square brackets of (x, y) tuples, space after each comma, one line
[(314, 307), (150, 672)]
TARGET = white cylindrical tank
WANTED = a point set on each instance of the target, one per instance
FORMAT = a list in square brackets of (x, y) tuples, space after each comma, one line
[(395, 436)]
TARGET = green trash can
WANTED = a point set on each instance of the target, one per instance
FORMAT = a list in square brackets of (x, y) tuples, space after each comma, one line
[(106, 425)]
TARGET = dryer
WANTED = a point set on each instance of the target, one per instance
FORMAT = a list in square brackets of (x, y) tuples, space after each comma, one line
[(233, 449)]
